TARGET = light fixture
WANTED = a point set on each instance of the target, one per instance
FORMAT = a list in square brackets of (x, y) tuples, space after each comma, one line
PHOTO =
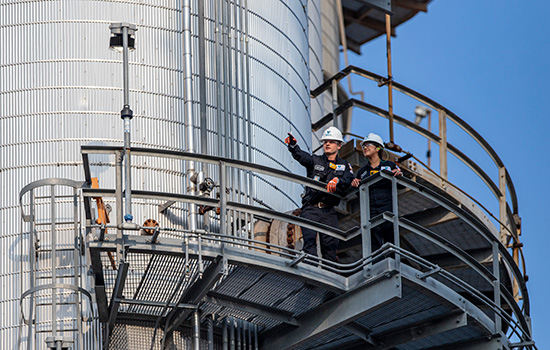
[(116, 42), (421, 112)]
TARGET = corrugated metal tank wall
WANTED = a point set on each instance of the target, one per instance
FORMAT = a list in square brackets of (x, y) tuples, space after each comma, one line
[(62, 88), (329, 55)]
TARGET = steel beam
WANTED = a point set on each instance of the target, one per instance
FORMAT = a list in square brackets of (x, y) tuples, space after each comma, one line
[(99, 282), (251, 307), (489, 343), (117, 293), (196, 293), (416, 332), (336, 313), (360, 331), (411, 5)]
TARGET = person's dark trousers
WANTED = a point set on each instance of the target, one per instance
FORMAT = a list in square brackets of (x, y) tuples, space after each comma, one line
[(329, 244)]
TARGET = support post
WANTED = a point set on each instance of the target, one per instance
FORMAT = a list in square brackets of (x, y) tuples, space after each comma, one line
[(496, 286), (196, 331), (390, 77), (502, 204), (395, 210), (334, 101), (223, 198), (443, 144), (118, 194), (364, 202)]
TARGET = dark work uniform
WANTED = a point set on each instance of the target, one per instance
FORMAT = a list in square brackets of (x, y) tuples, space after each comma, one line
[(380, 201), (319, 206)]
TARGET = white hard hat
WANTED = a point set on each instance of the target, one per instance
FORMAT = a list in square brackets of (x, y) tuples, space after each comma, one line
[(332, 133), (373, 138)]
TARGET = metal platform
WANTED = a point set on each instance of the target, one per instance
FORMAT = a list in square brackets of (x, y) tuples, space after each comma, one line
[(443, 285)]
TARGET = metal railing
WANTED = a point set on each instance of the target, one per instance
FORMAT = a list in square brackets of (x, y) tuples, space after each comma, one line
[(499, 190), (518, 321), (235, 228), (508, 218), (56, 267)]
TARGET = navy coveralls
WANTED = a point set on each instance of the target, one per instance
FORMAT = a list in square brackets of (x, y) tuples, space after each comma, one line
[(380, 199), (317, 205)]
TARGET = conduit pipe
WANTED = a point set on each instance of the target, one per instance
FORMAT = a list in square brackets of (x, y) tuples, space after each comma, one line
[(188, 107)]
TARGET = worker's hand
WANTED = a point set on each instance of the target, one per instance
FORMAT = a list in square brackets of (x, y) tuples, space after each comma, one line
[(396, 172), (331, 186), (290, 140), (355, 182)]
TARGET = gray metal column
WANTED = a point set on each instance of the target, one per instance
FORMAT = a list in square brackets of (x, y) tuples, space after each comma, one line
[(196, 330), (364, 202)]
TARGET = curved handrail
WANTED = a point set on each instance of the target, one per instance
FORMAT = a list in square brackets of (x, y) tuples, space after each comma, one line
[(523, 326), (54, 286), (243, 165), (468, 218), (433, 104), (44, 182), (440, 199), (205, 158)]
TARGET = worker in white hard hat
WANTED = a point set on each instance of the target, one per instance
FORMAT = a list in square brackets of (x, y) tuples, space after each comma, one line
[(317, 205), (380, 195)]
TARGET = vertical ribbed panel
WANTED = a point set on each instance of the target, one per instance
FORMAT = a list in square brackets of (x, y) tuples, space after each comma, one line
[(331, 37), (62, 88), (316, 61)]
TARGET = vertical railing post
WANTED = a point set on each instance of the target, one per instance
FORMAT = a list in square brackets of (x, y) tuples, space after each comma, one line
[(395, 210), (390, 77), (118, 193), (334, 101), (32, 267), (364, 205), (76, 254), (223, 198), (54, 265), (496, 286), (502, 203), (443, 144)]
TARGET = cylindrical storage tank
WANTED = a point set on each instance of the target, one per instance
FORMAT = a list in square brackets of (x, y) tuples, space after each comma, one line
[(327, 28), (62, 88)]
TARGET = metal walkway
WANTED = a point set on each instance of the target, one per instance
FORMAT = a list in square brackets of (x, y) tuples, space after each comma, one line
[(441, 286)]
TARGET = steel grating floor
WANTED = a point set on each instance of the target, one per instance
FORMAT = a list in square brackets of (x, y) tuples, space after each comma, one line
[(282, 300)]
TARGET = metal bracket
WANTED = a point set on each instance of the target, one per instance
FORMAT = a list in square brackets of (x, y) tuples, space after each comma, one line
[(296, 261), (155, 235), (102, 233), (117, 293), (166, 205), (382, 5), (522, 344), (425, 275)]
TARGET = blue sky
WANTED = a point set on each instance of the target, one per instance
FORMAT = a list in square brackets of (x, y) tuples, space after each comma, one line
[(487, 61)]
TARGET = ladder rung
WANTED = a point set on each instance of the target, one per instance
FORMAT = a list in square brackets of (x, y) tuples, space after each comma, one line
[(61, 196), (57, 223), (59, 330), (50, 277), (57, 250), (58, 303)]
